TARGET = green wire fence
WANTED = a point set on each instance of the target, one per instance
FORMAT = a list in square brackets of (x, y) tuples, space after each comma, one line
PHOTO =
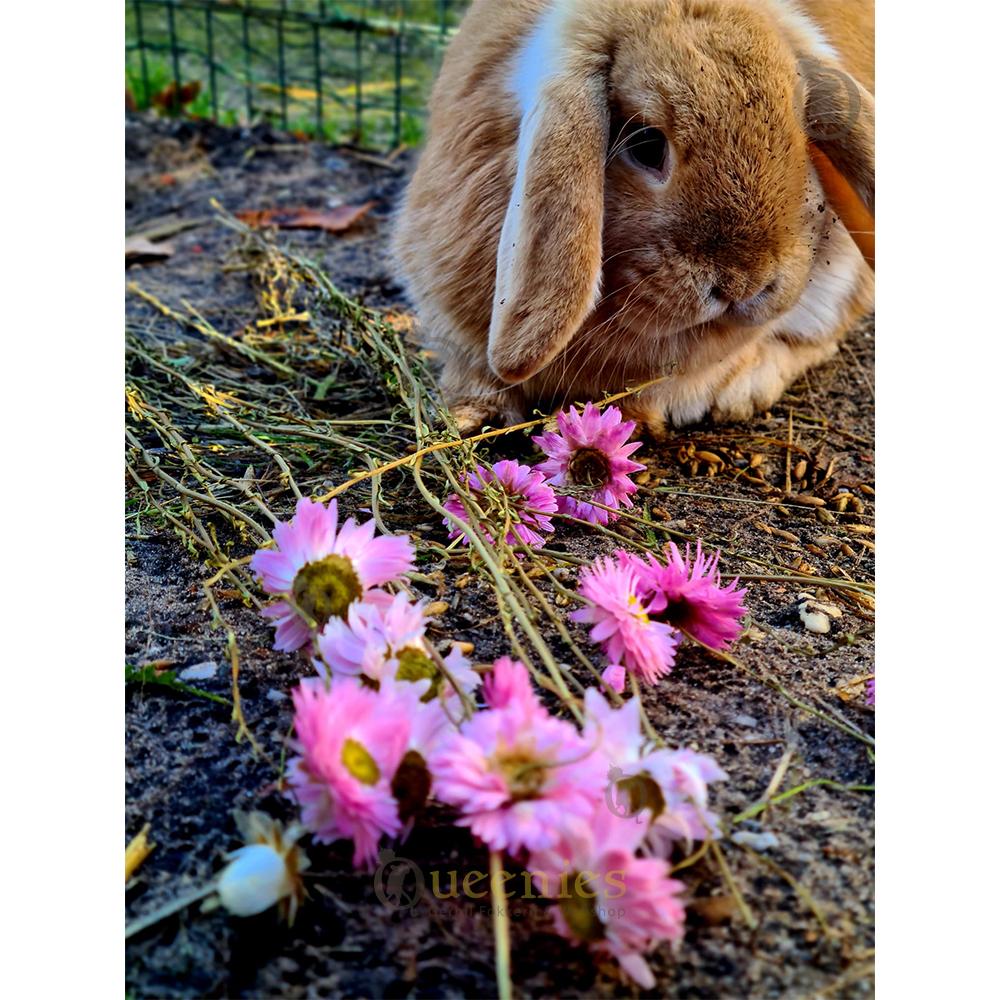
[(344, 72)]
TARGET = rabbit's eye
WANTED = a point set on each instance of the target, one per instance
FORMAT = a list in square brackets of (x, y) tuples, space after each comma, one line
[(647, 147)]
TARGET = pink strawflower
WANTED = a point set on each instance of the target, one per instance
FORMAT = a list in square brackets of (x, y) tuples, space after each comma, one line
[(870, 693), (323, 569), (671, 785), (588, 460), (614, 676), (385, 640), (350, 743), (615, 734), (689, 594), (609, 899), (621, 620), (683, 776), (509, 683), (516, 774), (508, 494), (370, 638), (428, 724)]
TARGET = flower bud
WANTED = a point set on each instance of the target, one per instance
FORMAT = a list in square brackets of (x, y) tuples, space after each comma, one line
[(256, 879)]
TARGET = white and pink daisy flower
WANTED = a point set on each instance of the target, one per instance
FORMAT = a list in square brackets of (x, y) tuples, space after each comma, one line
[(369, 640), (515, 498), (385, 640), (350, 744), (608, 898), (672, 785), (683, 777), (588, 460), (516, 774), (688, 594), (622, 620), (321, 569)]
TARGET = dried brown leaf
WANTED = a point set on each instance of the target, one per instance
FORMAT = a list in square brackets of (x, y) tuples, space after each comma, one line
[(331, 220)]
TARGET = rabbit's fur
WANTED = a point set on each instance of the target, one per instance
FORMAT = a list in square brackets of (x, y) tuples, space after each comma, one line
[(548, 266)]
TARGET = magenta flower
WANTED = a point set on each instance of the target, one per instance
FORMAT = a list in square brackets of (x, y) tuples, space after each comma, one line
[(588, 459), (516, 774), (350, 744), (609, 899), (622, 622), (322, 569), (870, 693), (512, 496), (689, 594)]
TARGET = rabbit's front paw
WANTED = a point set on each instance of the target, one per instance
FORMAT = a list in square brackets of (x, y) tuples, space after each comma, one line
[(759, 383)]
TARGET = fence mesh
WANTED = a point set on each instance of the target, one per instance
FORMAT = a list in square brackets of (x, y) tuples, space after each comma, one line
[(346, 72)]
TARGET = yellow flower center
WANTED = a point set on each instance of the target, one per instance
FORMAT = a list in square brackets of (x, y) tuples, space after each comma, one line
[(580, 911), (415, 665), (639, 616), (359, 762), (524, 774), (326, 588), (589, 467)]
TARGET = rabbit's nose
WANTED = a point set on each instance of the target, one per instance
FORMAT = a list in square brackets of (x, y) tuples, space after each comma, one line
[(738, 288)]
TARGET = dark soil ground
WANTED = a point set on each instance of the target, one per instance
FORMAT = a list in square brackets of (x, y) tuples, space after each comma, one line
[(186, 772)]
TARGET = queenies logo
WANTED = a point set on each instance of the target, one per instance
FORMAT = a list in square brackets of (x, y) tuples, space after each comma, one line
[(628, 796), (399, 882)]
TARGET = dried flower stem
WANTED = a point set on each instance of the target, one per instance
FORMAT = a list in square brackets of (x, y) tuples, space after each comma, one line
[(501, 926)]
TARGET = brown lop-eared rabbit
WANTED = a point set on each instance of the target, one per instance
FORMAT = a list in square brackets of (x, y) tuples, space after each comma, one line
[(617, 190)]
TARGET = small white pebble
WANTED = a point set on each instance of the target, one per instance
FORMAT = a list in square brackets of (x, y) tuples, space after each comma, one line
[(274, 694), (755, 841), (199, 671), (815, 621), (830, 609), (745, 720)]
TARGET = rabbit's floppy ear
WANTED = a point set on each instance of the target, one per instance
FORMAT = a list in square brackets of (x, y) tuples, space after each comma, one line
[(839, 117), (549, 256)]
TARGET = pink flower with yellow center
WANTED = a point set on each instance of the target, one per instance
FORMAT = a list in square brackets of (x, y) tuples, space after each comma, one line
[(350, 744), (320, 569), (588, 460), (515, 773), (513, 497), (608, 898), (622, 622), (688, 593), (385, 640)]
